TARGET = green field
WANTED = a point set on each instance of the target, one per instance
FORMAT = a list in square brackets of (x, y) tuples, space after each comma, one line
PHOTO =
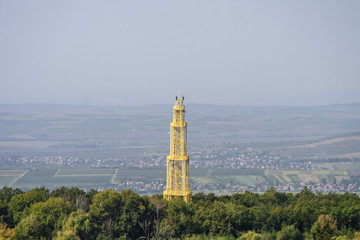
[(57, 177), (84, 172), (346, 166), (141, 173), (8, 177)]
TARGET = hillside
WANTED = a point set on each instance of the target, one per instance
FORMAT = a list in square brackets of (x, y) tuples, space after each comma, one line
[(66, 128)]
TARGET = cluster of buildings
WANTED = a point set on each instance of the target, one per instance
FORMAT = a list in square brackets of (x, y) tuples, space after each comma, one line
[(217, 158), (214, 158), (233, 158)]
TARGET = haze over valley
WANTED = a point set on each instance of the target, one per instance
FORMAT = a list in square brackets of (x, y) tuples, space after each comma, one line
[(231, 148)]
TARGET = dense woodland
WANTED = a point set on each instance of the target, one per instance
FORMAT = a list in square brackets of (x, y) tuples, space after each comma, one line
[(71, 213)]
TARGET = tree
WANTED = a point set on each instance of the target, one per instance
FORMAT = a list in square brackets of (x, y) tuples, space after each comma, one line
[(289, 233), (115, 215), (66, 235), (323, 228), (356, 236), (44, 219), (74, 195), (127, 215), (250, 235), (82, 202), (77, 224), (223, 218), (305, 213), (104, 214), (21, 202), (211, 197), (347, 214), (247, 199), (29, 228), (198, 197), (178, 217), (160, 231), (5, 232), (6, 193), (135, 208)]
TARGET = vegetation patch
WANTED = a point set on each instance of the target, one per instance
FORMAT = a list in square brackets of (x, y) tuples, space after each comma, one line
[(71, 213)]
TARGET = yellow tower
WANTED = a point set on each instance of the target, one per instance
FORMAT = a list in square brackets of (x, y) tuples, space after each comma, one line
[(177, 174)]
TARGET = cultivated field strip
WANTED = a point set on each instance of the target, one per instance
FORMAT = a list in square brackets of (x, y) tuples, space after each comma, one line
[(120, 178)]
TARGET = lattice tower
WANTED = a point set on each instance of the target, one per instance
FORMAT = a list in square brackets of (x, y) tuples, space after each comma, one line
[(177, 174)]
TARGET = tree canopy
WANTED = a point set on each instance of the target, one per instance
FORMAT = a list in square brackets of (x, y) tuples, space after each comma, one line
[(71, 213)]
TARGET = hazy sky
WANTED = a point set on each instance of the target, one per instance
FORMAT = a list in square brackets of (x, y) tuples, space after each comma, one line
[(144, 52)]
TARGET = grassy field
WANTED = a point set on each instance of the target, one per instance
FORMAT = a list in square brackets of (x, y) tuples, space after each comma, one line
[(346, 166), (141, 173), (84, 172), (57, 177), (9, 177)]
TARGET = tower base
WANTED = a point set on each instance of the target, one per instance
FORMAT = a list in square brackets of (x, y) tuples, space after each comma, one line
[(186, 195)]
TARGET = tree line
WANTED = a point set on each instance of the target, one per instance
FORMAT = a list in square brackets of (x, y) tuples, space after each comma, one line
[(71, 213)]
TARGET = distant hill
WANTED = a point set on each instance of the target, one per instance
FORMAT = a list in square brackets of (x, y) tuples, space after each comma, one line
[(47, 127), (346, 146)]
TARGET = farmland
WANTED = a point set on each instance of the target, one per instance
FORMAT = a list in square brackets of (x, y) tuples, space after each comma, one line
[(152, 180)]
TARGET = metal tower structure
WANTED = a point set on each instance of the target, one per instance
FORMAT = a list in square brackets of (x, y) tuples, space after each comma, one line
[(177, 174)]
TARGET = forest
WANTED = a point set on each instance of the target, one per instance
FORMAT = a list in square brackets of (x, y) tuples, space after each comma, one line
[(71, 213)]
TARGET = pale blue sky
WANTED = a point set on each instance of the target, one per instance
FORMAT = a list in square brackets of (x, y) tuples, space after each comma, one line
[(144, 52)]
